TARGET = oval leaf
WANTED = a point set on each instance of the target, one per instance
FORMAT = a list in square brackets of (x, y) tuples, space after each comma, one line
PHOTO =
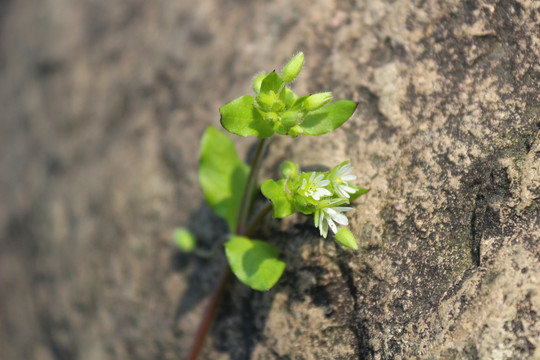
[(328, 118), (184, 240), (281, 201), (222, 175), (241, 118), (254, 262)]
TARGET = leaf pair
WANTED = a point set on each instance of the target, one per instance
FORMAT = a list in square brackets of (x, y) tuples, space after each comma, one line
[(277, 109), (223, 176)]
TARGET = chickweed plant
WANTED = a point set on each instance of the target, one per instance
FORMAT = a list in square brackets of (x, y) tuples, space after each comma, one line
[(229, 184)]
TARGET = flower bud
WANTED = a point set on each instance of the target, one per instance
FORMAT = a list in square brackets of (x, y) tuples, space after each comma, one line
[(289, 98), (293, 67), (278, 106), (289, 169), (258, 81), (346, 238), (271, 118), (315, 101), (303, 204), (266, 101), (279, 128), (295, 131), (289, 118)]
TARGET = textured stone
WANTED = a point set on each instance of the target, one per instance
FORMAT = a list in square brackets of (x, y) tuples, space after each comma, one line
[(102, 107)]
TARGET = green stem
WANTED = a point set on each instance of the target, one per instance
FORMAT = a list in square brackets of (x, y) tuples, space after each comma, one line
[(241, 229), (250, 184), (209, 253), (254, 224)]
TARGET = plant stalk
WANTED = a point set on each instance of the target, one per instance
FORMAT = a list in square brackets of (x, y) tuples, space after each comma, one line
[(250, 184), (241, 229)]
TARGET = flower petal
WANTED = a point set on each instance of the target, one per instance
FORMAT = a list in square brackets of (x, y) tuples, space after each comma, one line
[(342, 193), (323, 192), (324, 183), (340, 219), (318, 178), (324, 229), (348, 189), (332, 225)]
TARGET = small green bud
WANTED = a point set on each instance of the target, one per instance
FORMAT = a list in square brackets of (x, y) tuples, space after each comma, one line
[(304, 204), (295, 131), (266, 100), (278, 106), (184, 240), (289, 97), (257, 81), (271, 118), (293, 67), (346, 238), (315, 101), (279, 128), (289, 118), (289, 169)]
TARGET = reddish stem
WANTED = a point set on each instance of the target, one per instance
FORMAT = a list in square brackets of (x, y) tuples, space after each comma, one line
[(208, 316), (241, 229)]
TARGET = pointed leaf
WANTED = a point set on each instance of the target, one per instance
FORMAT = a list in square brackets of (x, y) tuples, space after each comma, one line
[(281, 201), (328, 118), (241, 118), (254, 262), (272, 82), (299, 102), (359, 192), (222, 175), (346, 238)]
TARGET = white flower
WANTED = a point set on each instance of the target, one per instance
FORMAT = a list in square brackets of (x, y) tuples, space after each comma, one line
[(314, 187), (328, 216), (340, 177)]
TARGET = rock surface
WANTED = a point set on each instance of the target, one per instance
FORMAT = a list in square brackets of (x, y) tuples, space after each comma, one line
[(102, 107)]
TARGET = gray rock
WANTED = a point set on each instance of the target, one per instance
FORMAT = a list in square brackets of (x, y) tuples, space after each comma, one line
[(102, 107)]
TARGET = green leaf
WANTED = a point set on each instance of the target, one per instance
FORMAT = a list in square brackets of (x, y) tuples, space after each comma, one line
[(254, 262), (346, 238), (184, 239), (241, 118), (328, 118), (359, 192), (272, 82), (281, 201), (257, 81), (297, 105), (288, 97), (222, 175)]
